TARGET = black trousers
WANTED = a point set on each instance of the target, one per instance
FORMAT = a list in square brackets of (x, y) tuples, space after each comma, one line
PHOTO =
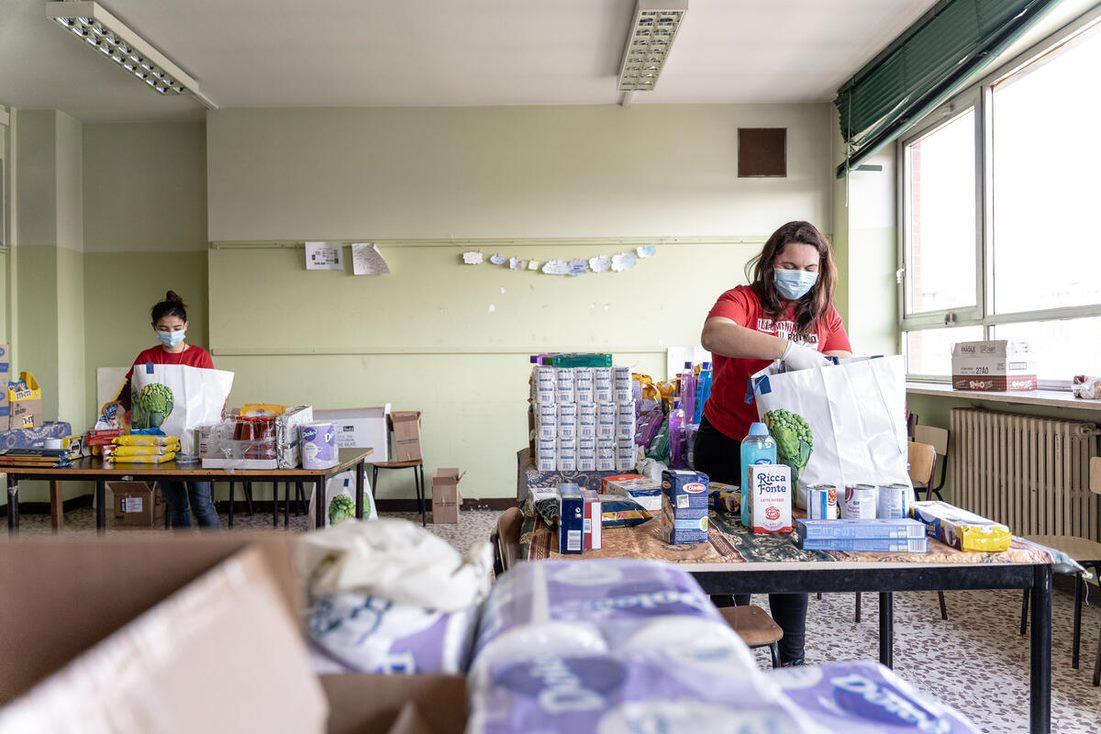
[(720, 457)]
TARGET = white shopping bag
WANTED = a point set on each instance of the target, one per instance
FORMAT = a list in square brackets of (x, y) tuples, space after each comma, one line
[(344, 485), (194, 397), (857, 413)]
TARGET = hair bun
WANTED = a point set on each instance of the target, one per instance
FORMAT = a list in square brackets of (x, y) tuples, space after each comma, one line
[(173, 297)]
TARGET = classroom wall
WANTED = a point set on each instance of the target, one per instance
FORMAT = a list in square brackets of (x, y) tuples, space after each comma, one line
[(449, 340)]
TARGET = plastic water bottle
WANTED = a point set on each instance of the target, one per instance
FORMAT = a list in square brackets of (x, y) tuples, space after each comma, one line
[(687, 380), (757, 448), (678, 439), (703, 391)]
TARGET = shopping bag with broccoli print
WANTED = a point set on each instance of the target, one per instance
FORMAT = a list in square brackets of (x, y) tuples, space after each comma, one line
[(856, 413), (177, 399)]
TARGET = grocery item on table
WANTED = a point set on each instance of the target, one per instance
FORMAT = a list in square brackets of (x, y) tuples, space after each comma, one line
[(821, 502), (571, 519), (726, 498), (893, 501), (860, 502), (660, 690), (593, 520), (770, 498), (120, 451), (685, 505), (962, 529), (866, 545), (862, 697), (794, 440), (319, 449), (388, 596), (622, 511), (757, 448), (901, 529), (703, 391), (678, 439), (643, 490), (596, 607), (139, 440)]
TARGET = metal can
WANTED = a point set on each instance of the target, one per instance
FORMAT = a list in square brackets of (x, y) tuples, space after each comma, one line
[(893, 502), (822, 502), (860, 502)]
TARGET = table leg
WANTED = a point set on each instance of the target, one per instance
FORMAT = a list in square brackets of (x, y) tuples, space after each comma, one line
[(319, 504), (286, 503), (1079, 590), (57, 506), (101, 506), (13, 504), (360, 469), (275, 504), (886, 628), (1040, 678)]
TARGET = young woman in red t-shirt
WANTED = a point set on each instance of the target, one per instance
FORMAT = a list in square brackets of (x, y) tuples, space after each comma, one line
[(169, 319), (787, 313)]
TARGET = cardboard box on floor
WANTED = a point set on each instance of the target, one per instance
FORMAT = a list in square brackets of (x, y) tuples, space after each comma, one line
[(363, 704), (137, 505), (154, 632), (407, 435), (446, 495)]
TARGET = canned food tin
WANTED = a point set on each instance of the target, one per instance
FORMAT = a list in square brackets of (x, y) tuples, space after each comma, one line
[(860, 502), (893, 502), (822, 502)]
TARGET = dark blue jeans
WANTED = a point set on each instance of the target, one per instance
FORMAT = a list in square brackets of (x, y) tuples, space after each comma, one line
[(719, 456), (200, 495)]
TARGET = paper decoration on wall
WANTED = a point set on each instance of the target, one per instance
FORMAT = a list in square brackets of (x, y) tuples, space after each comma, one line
[(573, 267), (623, 261), (367, 260), (600, 264), (324, 256)]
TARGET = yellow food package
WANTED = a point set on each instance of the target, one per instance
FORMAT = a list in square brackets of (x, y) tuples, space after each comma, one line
[(157, 459), (254, 409), (140, 440), (962, 529), (118, 451)]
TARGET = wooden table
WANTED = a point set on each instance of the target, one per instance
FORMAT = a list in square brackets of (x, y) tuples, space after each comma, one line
[(94, 470), (737, 561)]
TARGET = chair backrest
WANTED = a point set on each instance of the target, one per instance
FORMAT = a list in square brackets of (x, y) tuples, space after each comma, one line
[(1095, 475), (508, 536), (935, 437), (923, 457)]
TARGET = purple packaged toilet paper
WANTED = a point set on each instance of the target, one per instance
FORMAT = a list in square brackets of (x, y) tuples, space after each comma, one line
[(373, 635), (319, 446), (591, 607), (864, 697), (653, 691)]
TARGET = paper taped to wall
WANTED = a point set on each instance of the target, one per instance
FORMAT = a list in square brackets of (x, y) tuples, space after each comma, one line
[(324, 256), (367, 260)]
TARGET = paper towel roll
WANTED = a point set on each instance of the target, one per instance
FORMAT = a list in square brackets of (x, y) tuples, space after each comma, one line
[(319, 446)]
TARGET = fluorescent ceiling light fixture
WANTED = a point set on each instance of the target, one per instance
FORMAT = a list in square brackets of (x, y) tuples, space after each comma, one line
[(112, 38), (652, 32)]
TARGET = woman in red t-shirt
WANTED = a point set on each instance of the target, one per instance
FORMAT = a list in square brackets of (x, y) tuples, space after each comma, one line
[(787, 313), (169, 319)]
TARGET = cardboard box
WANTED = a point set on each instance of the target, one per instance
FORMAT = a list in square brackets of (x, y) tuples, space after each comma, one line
[(360, 428), (25, 414), (106, 663), (380, 703), (137, 505), (571, 519), (447, 498), (407, 435), (995, 365)]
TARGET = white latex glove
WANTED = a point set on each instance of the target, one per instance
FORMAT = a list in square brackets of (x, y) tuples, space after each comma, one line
[(801, 357)]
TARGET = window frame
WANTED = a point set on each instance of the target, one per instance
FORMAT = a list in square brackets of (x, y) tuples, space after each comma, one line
[(980, 97)]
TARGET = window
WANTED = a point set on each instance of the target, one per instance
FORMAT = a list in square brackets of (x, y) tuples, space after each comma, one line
[(998, 193)]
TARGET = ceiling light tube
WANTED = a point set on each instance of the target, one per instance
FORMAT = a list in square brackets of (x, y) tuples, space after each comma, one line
[(653, 28), (90, 22)]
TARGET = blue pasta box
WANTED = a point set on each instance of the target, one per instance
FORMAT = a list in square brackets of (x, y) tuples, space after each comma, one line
[(685, 505), (867, 545), (571, 518), (901, 529)]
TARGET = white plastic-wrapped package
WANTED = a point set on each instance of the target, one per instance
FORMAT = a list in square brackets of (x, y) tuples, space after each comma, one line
[(189, 397), (387, 596), (596, 607)]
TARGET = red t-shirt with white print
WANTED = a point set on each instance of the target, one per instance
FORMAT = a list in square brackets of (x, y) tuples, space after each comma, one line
[(727, 409)]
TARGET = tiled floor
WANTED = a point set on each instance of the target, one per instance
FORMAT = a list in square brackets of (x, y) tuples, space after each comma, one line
[(975, 661)]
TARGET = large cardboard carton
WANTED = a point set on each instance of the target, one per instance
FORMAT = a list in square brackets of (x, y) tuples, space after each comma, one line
[(995, 365), (447, 498), (137, 505), (407, 435), (360, 428), (154, 632), (382, 703)]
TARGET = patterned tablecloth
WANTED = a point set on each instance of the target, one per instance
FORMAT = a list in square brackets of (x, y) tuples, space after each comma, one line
[(729, 543), (29, 438)]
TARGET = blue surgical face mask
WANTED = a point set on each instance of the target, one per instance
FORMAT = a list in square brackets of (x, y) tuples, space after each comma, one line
[(794, 284), (171, 338)]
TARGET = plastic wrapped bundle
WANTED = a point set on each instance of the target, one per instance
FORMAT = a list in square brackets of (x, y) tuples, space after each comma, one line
[(666, 690), (864, 697), (369, 634), (596, 607)]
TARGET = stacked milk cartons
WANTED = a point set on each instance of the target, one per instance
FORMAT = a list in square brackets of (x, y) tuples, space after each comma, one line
[(584, 418)]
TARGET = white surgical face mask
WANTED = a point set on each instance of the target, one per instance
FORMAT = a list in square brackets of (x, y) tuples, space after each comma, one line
[(794, 284), (172, 338)]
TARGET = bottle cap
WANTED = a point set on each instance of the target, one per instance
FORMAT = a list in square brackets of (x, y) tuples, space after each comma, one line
[(687, 364), (758, 429), (534, 359), (707, 365)]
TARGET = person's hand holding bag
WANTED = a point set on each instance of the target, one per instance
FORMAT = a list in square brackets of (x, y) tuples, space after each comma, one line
[(801, 357)]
